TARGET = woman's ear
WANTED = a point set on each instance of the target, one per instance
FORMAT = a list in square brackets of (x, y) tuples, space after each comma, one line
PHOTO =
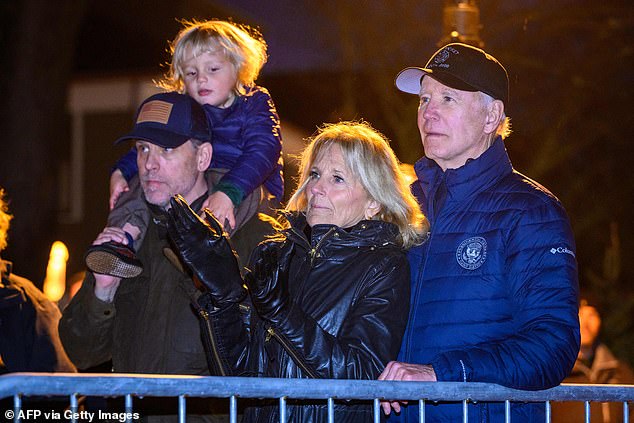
[(204, 152), (372, 209), (494, 116)]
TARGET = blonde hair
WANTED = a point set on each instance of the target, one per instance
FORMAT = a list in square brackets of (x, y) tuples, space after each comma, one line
[(368, 155), (5, 218), (241, 45)]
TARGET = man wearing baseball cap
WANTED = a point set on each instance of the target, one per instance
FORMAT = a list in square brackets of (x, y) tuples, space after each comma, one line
[(494, 289), (145, 323), (166, 121)]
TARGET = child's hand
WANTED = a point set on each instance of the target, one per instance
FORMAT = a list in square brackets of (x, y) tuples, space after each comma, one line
[(118, 185), (221, 206)]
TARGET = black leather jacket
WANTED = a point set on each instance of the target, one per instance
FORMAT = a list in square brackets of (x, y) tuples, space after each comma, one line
[(350, 293)]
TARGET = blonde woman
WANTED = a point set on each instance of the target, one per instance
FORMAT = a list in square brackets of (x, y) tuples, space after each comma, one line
[(329, 294)]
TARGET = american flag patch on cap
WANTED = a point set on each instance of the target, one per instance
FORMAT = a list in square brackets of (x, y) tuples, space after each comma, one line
[(157, 111)]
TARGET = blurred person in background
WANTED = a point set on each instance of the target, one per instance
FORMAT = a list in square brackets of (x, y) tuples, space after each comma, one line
[(595, 364), (29, 340)]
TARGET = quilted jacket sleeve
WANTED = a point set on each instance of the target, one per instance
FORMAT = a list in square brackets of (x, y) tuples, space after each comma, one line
[(262, 144), (542, 283)]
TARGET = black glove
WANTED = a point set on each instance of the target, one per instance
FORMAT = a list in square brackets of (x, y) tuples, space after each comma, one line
[(268, 282), (206, 251)]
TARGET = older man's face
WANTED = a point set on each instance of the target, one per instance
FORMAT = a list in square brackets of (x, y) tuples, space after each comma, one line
[(164, 172), (451, 124)]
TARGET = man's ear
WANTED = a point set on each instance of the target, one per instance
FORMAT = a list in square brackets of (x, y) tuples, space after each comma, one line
[(494, 116), (203, 156)]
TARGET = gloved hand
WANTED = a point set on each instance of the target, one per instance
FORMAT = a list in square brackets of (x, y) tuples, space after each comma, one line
[(268, 282), (204, 248)]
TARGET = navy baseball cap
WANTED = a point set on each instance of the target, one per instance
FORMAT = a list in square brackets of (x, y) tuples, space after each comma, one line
[(462, 67), (169, 120)]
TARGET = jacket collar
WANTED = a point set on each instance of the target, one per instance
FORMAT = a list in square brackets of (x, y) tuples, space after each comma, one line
[(474, 176), (365, 233)]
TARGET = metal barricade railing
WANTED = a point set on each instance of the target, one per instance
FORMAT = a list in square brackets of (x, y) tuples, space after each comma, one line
[(19, 385)]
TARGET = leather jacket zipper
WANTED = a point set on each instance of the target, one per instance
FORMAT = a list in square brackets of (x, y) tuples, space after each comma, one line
[(313, 251), (271, 333), (213, 347)]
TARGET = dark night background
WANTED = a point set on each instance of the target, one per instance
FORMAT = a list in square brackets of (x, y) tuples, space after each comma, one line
[(570, 64)]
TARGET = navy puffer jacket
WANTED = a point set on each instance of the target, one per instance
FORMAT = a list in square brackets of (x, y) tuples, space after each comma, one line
[(494, 290), (248, 142)]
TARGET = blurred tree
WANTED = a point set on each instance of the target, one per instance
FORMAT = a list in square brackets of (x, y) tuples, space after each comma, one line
[(38, 38)]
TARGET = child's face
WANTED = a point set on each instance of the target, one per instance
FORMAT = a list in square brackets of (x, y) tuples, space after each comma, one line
[(209, 78)]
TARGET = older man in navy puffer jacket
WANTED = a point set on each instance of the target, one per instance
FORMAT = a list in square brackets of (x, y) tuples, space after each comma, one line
[(494, 289)]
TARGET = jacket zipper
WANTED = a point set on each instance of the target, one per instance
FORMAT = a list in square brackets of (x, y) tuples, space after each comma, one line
[(271, 333), (212, 341), (313, 251)]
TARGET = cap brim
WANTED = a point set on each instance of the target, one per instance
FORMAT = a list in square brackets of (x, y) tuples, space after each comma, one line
[(155, 136), (409, 79)]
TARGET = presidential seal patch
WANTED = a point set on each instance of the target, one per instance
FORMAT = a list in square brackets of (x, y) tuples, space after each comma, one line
[(472, 253)]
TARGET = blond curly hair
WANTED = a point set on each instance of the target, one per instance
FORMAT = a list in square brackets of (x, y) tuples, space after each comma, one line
[(243, 46)]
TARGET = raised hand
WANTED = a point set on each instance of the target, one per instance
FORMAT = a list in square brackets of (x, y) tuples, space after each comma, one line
[(221, 207), (204, 248), (268, 282)]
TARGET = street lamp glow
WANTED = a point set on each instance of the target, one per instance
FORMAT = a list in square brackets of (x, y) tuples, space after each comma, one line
[(55, 282)]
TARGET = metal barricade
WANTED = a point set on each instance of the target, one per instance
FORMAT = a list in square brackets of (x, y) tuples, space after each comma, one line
[(19, 385)]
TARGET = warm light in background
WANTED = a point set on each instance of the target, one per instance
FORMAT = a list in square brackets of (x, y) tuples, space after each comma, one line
[(55, 282)]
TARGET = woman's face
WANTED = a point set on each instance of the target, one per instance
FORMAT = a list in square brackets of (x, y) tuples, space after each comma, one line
[(335, 196)]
